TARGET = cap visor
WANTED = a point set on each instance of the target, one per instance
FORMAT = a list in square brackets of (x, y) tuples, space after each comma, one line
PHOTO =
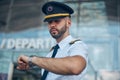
[(53, 18)]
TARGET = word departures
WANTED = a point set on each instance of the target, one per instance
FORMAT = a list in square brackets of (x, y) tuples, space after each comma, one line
[(26, 43)]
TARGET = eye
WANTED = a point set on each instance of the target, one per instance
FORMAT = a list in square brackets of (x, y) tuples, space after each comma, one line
[(57, 21), (49, 22)]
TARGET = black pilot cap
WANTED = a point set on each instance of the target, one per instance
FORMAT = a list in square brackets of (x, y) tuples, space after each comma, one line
[(55, 10)]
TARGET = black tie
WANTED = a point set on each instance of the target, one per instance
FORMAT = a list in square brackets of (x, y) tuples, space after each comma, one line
[(53, 55)]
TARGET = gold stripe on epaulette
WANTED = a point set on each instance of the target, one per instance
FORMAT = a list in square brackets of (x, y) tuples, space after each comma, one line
[(72, 42)]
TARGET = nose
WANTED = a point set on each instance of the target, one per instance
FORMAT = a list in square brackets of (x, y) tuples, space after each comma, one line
[(52, 23)]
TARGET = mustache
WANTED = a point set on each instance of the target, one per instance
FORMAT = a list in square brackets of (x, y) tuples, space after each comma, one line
[(53, 29)]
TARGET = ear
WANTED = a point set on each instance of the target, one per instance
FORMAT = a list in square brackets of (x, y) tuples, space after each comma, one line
[(69, 23)]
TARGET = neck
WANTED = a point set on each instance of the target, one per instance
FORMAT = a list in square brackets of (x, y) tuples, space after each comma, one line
[(61, 38)]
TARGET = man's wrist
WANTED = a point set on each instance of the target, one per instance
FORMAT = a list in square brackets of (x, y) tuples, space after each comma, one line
[(30, 61)]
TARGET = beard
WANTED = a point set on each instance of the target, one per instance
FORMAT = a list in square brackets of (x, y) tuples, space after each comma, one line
[(57, 33)]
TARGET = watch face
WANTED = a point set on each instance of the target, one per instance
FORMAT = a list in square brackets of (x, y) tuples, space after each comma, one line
[(31, 65)]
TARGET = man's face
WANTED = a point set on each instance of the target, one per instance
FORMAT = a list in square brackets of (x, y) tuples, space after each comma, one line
[(57, 28)]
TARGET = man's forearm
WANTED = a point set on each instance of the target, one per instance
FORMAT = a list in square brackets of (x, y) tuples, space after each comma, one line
[(67, 65)]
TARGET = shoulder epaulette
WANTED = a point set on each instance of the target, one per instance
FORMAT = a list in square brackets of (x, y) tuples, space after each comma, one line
[(72, 42)]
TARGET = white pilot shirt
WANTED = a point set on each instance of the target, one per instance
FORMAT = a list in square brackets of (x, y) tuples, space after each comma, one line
[(78, 48)]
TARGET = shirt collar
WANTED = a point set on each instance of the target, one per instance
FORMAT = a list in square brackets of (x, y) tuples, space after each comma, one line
[(65, 41)]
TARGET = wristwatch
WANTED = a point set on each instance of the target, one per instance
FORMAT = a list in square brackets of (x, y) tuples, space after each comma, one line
[(31, 65)]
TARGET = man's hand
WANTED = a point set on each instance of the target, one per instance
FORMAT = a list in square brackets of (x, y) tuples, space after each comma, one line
[(23, 62)]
